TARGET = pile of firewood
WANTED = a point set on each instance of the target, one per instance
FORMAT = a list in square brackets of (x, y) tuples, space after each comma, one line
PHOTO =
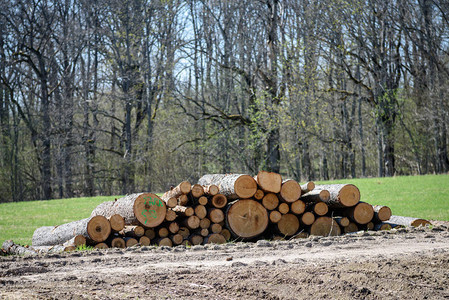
[(224, 207)]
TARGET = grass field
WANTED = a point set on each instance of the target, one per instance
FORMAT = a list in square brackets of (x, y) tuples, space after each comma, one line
[(415, 196)]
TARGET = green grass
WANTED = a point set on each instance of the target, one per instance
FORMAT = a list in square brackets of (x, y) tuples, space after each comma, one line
[(415, 196)]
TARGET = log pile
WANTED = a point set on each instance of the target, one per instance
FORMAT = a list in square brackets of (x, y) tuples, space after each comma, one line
[(223, 207)]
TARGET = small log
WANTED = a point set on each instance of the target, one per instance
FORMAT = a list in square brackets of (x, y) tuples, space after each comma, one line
[(197, 191), (78, 240), (183, 200), (203, 200), (117, 222), (233, 186), (275, 216), (215, 238), (382, 226), (14, 249), (307, 187), (101, 246), (177, 239), (298, 207), (288, 225), (118, 242), (369, 226), (196, 239), (381, 213), (307, 218), (165, 242), (144, 241), (211, 190), (150, 233), (283, 208), (342, 221), (270, 201), (269, 181), (130, 241), (133, 231), (316, 196), (170, 215), (163, 232), (362, 213), (184, 231), (246, 218), (408, 221), (290, 190), (216, 215), (181, 189), (319, 208), (259, 194), (226, 233), (219, 201), (173, 227), (216, 228), (205, 223), (341, 195), (185, 211), (170, 202), (352, 227), (192, 222), (204, 232), (325, 226), (200, 211)]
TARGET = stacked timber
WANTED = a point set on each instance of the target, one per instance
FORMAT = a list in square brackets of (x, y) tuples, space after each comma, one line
[(223, 207)]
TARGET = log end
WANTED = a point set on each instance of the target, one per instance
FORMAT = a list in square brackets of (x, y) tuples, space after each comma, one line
[(349, 195), (269, 181), (321, 208), (298, 207), (270, 201), (197, 190), (216, 238), (290, 191), (247, 218), (185, 187), (219, 201), (98, 229), (245, 186), (117, 222), (325, 226), (363, 213), (288, 225), (149, 210)]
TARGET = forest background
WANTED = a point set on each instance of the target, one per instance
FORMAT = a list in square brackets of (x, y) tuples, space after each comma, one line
[(114, 97)]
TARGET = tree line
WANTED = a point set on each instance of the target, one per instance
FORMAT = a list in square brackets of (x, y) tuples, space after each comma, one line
[(114, 97)]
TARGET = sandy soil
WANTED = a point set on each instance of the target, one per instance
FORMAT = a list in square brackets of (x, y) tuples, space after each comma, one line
[(398, 264)]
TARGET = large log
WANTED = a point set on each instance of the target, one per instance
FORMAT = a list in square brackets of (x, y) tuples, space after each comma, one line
[(246, 218), (269, 181), (325, 226), (290, 190), (341, 195), (94, 229), (362, 213), (381, 213), (408, 221), (288, 225), (233, 186)]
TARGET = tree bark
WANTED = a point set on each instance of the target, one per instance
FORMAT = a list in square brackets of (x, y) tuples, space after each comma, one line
[(233, 186)]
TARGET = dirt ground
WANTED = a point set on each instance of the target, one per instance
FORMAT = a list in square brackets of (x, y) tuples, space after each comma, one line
[(397, 264)]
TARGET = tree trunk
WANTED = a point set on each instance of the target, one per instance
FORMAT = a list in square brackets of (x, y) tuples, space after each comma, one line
[(233, 186)]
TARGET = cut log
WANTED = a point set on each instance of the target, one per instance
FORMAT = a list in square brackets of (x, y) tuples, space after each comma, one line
[(204, 232), (170, 215), (316, 196), (170, 202), (319, 208), (118, 242), (177, 239), (133, 231), (288, 225), (163, 232), (184, 231), (382, 226), (181, 189), (226, 234), (362, 213), (275, 216), (183, 200), (341, 195), (216, 215), (200, 211), (103, 209), (290, 191), (298, 207), (352, 227), (192, 222), (269, 181), (408, 221), (283, 208), (150, 233), (95, 229), (165, 242), (233, 186), (185, 211), (215, 238), (301, 235), (342, 221), (78, 240), (211, 190), (307, 218), (216, 228), (369, 226), (14, 249), (205, 223), (325, 226), (117, 222), (173, 227), (246, 218), (101, 246), (144, 241), (307, 187), (259, 194), (270, 201), (196, 239), (203, 200), (197, 191), (219, 201), (381, 213), (130, 241)]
